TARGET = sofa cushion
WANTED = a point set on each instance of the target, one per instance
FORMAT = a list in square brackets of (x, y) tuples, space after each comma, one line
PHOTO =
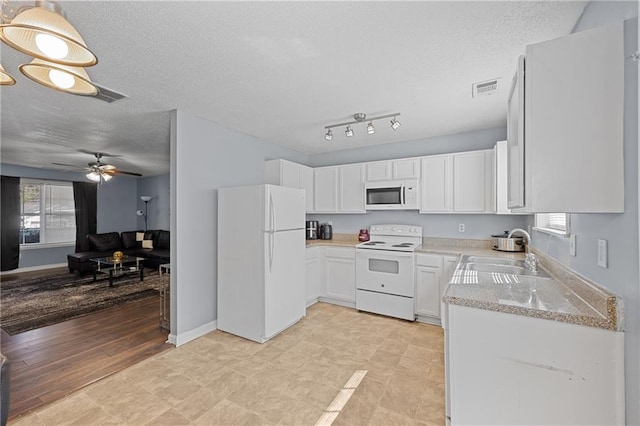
[(129, 239), (85, 256), (105, 242), (163, 240), (163, 254)]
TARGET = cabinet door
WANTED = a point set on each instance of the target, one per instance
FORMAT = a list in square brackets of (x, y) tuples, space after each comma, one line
[(313, 275), (406, 169), (351, 188), (449, 264), (435, 184), (469, 182), (290, 173), (380, 170), (574, 122), (325, 185), (341, 278), (306, 183), (428, 291), (515, 139)]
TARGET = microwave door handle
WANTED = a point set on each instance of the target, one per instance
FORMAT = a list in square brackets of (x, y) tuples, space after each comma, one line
[(403, 196)]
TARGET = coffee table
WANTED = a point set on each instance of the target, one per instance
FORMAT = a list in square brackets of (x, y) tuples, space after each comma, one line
[(127, 265)]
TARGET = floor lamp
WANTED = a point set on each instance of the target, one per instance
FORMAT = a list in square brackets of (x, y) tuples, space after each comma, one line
[(146, 199)]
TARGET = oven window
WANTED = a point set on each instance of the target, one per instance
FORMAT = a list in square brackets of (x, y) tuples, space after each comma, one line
[(384, 266), (383, 195)]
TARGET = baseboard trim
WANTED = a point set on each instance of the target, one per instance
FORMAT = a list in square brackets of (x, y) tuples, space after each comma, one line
[(187, 336), (428, 320), (346, 304), (33, 268)]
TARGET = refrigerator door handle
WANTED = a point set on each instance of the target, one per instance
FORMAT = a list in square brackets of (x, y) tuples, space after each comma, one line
[(272, 214), (271, 249)]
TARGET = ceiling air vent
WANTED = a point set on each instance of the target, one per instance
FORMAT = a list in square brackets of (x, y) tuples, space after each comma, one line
[(108, 95), (485, 88)]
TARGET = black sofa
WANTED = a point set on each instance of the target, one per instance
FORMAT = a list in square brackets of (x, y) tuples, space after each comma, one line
[(103, 245)]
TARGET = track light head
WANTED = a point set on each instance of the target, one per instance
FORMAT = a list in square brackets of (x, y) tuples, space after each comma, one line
[(329, 135), (370, 129), (395, 124), (348, 132)]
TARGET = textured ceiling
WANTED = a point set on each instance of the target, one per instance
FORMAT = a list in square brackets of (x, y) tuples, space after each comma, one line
[(280, 71)]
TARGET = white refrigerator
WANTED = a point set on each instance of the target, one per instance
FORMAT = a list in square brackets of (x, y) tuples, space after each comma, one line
[(261, 260)]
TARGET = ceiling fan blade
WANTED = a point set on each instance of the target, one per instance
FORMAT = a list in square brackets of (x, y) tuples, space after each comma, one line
[(120, 172), (67, 165)]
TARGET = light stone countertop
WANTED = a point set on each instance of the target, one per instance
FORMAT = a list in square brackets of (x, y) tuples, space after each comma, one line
[(566, 297)]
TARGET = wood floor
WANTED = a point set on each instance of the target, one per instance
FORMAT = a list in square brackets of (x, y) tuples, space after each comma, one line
[(51, 362)]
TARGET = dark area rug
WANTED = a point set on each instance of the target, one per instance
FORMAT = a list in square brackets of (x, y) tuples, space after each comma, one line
[(27, 304)]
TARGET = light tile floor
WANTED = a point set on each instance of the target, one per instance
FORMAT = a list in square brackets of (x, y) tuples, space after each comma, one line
[(222, 379)]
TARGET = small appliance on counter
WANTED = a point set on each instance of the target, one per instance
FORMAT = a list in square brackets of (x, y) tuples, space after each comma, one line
[(364, 235), (502, 242), (312, 229), (326, 231)]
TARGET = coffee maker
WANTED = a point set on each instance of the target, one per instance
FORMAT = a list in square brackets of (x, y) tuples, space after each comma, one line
[(326, 231), (311, 229)]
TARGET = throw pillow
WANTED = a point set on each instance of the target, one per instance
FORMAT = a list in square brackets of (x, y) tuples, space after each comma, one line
[(148, 244), (139, 236)]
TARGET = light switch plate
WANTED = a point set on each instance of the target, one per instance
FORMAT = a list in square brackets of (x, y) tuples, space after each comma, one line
[(602, 253), (572, 245)]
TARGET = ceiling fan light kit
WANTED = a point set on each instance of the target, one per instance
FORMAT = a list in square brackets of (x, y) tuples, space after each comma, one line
[(5, 78), (42, 31), (359, 118)]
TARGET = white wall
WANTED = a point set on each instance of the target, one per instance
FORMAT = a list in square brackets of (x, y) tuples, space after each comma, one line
[(205, 157), (433, 225), (621, 230)]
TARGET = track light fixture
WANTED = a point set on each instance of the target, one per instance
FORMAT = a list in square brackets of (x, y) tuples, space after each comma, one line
[(359, 118), (349, 132), (329, 135)]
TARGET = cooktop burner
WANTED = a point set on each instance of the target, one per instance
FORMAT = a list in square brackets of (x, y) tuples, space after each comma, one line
[(373, 243)]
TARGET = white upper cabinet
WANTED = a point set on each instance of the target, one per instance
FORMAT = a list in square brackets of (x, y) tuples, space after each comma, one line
[(325, 188), (292, 175), (351, 188), (379, 170), (405, 168), (458, 183), (408, 168), (573, 123), (473, 182), (435, 186)]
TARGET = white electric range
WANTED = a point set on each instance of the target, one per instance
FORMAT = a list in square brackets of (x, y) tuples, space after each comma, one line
[(385, 270)]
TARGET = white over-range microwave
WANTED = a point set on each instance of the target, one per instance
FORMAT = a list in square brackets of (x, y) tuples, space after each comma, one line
[(392, 195)]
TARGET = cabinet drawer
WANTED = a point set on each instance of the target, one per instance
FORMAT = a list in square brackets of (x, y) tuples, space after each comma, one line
[(432, 260), (341, 252)]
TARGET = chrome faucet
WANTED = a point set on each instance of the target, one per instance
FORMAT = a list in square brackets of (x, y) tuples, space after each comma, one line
[(531, 261)]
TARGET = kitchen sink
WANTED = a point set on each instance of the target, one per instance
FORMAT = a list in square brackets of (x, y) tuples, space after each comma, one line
[(505, 269), (494, 260)]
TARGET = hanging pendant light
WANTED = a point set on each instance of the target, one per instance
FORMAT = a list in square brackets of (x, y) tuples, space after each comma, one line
[(74, 80), (5, 78), (43, 32)]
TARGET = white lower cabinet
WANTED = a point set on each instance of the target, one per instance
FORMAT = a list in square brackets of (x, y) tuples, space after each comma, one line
[(314, 274), (340, 272), (505, 369), (433, 273)]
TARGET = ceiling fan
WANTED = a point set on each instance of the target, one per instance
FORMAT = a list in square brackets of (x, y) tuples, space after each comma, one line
[(99, 172)]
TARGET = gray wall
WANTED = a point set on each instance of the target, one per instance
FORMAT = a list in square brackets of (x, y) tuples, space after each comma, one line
[(433, 225), (205, 157), (159, 208), (621, 230), (114, 213)]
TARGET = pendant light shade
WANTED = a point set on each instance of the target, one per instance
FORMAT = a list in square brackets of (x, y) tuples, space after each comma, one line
[(5, 78), (46, 34), (64, 78)]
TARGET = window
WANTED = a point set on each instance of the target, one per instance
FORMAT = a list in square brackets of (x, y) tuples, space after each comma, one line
[(555, 223), (47, 212)]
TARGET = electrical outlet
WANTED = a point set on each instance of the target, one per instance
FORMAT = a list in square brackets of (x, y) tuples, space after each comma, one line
[(572, 245), (602, 253), (461, 227)]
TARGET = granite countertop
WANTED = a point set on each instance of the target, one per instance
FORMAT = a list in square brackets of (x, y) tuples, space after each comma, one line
[(565, 296)]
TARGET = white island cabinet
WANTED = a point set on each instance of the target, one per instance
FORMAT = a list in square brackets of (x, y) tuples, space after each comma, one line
[(505, 369)]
